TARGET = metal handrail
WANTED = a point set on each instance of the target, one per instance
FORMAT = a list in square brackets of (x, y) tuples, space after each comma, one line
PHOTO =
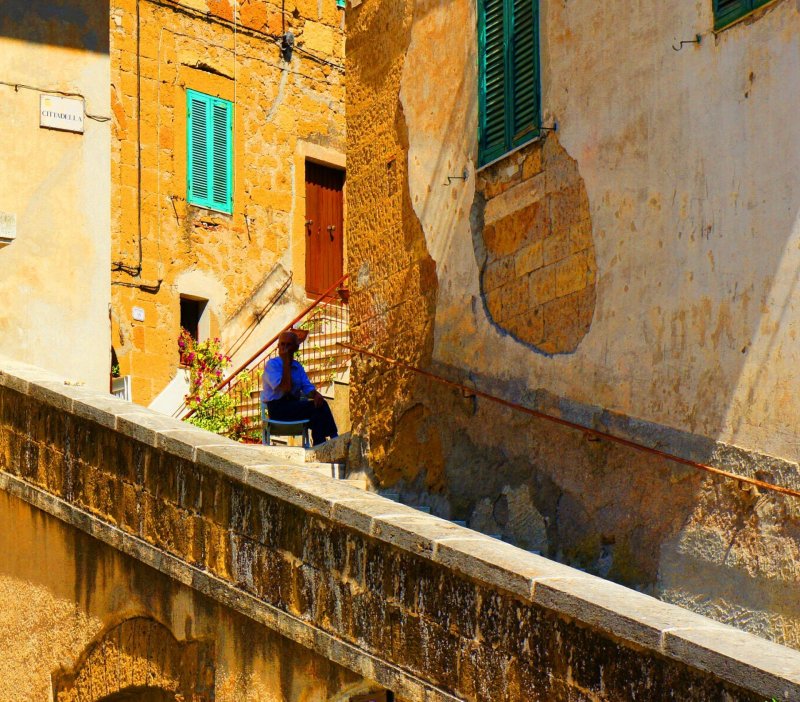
[(572, 425), (327, 295)]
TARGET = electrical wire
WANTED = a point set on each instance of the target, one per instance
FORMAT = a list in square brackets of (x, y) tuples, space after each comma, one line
[(23, 86), (180, 7)]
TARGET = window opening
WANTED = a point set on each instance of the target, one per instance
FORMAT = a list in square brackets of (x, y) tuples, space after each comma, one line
[(209, 134), (509, 91), (191, 311)]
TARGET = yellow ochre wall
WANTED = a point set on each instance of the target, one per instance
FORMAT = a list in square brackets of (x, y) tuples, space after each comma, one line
[(284, 113), (64, 595), (634, 271), (54, 279)]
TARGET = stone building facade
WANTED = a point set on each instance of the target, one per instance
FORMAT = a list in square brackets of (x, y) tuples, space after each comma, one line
[(630, 266), (233, 268), (55, 186)]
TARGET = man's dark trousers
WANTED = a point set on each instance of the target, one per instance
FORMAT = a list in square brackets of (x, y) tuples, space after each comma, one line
[(289, 409)]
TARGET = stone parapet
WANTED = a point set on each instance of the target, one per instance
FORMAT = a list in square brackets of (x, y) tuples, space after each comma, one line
[(427, 608)]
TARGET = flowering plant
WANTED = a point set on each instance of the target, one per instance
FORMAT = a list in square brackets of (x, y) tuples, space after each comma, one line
[(213, 411)]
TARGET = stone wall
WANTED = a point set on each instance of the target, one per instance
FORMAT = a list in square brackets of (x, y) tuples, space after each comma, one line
[(284, 113), (421, 606), (99, 622), (631, 271)]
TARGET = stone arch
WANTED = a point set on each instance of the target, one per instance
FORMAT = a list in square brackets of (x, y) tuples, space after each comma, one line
[(139, 660)]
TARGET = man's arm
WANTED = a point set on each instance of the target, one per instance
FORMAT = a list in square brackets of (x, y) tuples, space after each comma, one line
[(307, 387), (273, 375), (286, 377)]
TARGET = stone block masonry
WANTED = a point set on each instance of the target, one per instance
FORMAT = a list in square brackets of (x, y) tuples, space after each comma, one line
[(283, 112), (426, 608), (539, 271)]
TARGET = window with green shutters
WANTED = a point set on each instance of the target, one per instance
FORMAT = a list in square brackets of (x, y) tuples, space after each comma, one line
[(508, 33), (727, 11), (209, 172)]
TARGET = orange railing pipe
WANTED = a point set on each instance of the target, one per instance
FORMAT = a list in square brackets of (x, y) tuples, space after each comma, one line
[(572, 425)]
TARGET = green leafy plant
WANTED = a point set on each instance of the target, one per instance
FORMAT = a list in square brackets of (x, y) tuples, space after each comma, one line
[(214, 411)]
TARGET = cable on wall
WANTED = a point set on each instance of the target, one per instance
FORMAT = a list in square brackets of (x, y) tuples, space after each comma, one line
[(23, 86)]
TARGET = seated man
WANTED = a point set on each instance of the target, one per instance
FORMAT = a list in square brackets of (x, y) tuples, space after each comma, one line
[(285, 384)]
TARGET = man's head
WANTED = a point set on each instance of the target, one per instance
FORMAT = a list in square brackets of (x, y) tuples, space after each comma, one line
[(288, 342)]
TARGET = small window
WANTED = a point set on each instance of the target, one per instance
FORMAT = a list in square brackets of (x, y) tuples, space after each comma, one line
[(727, 11), (508, 33), (209, 173), (191, 313)]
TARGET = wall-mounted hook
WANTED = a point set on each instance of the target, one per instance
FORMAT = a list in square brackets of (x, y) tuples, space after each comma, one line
[(697, 39), (464, 176)]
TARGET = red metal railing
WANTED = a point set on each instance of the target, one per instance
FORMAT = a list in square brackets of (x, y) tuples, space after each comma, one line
[(469, 392), (327, 320)]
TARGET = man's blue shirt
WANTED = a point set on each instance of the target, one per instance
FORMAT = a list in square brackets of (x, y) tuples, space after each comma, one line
[(273, 373)]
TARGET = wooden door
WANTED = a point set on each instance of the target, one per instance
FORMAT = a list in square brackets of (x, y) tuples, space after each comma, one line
[(324, 227)]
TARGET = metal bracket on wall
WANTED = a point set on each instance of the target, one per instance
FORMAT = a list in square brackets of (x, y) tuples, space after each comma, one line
[(464, 176), (697, 40)]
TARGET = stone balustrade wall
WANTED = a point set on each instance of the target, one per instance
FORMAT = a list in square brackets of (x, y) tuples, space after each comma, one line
[(428, 609)]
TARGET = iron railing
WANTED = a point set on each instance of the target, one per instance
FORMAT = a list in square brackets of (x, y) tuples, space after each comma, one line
[(467, 391)]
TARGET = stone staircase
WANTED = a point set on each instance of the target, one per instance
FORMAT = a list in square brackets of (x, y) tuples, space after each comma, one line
[(326, 363), (329, 460)]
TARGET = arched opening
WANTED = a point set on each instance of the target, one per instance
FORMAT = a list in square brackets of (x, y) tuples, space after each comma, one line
[(139, 660)]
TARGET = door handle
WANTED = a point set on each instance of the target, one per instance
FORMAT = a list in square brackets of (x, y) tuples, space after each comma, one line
[(309, 224), (331, 229)]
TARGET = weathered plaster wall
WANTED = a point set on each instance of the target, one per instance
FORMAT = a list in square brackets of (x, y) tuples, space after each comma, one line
[(392, 274), (54, 280), (431, 610), (633, 271), (61, 591), (283, 113)]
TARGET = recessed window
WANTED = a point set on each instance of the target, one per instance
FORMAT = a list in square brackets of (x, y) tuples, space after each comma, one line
[(509, 95), (209, 172), (192, 310), (727, 11)]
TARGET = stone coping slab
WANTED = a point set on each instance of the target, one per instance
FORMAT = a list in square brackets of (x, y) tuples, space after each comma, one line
[(696, 641)]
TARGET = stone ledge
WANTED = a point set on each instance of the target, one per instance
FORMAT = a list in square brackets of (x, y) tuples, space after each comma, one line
[(332, 648), (695, 641)]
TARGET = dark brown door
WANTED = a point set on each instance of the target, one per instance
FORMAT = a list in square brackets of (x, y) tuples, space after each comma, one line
[(324, 227)]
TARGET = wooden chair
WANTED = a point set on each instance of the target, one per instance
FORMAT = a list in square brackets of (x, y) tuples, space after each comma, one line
[(272, 427)]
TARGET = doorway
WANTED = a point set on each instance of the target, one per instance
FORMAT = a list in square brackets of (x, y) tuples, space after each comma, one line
[(324, 227)]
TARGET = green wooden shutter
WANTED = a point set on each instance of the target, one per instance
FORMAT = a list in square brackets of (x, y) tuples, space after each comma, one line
[(508, 75), (727, 11), (493, 43), (222, 162), (209, 151), (525, 65)]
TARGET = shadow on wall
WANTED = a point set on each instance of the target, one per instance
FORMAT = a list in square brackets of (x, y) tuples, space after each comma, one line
[(74, 24)]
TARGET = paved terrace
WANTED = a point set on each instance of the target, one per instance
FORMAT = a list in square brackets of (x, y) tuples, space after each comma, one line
[(429, 609)]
